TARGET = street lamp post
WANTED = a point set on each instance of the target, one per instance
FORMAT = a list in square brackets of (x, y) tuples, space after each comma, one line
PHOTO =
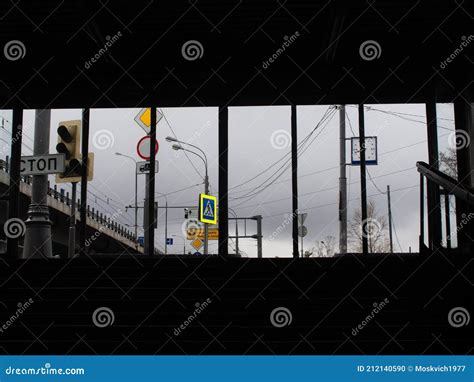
[(206, 179), (184, 243), (136, 197), (236, 231), (166, 221)]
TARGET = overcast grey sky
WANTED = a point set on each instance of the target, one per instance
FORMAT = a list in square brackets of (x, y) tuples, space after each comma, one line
[(258, 136)]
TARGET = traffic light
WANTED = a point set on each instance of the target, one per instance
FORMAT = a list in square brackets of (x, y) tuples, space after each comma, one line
[(69, 144)]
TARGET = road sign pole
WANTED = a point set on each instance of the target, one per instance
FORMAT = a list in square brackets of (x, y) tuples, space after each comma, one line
[(72, 224), (146, 213), (206, 225), (302, 251), (136, 210), (38, 226), (166, 226)]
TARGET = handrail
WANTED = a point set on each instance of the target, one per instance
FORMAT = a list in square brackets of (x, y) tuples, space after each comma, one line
[(451, 185)]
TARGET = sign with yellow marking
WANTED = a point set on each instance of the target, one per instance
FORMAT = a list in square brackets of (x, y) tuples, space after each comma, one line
[(143, 118), (197, 243), (207, 209)]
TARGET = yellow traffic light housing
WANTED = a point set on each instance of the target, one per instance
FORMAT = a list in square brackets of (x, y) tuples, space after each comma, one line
[(69, 144)]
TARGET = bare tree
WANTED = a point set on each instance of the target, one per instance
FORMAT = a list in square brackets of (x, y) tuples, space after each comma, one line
[(448, 162), (376, 230), (323, 248)]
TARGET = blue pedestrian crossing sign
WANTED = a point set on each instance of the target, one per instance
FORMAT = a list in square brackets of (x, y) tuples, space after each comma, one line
[(207, 209)]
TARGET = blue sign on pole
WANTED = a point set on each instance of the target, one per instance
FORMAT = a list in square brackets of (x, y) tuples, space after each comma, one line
[(141, 240), (197, 253), (169, 241), (207, 209)]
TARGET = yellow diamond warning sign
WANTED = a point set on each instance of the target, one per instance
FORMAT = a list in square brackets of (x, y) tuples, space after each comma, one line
[(143, 118), (197, 243)]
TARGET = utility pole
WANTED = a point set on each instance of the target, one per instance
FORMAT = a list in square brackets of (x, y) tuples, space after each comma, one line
[(363, 181), (389, 218), (38, 226), (342, 181), (71, 248)]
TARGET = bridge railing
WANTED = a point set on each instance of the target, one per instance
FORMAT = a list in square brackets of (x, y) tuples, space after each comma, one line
[(445, 186), (63, 196)]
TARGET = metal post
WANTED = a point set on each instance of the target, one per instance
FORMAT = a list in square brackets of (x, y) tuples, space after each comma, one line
[(146, 218), (259, 236), (342, 181), (447, 219), (434, 207), (301, 239), (422, 215), (223, 181), (166, 226), (206, 226), (389, 218), (363, 181), (294, 179), (38, 226), (136, 208), (237, 236), (83, 204), (72, 224), (151, 185), (14, 172)]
